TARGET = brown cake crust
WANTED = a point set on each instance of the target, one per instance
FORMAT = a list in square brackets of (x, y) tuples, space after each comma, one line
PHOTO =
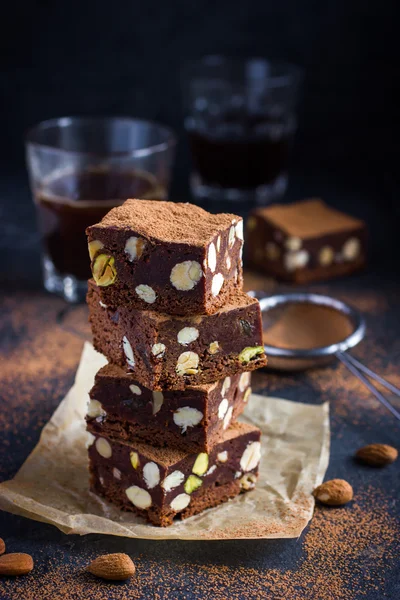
[(122, 408), (167, 482), (305, 241), (158, 358), (167, 257)]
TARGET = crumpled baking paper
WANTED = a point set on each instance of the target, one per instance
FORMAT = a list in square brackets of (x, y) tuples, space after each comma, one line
[(52, 484)]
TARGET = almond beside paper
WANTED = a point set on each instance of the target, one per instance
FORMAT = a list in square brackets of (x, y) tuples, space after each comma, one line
[(16, 563), (335, 492), (115, 567), (377, 455)]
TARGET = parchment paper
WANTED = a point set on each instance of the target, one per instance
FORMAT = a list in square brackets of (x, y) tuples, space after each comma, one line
[(52, 484)]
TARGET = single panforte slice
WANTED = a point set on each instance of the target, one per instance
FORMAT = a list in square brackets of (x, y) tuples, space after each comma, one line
[(167, 257), (192, 419), (161, 483), (170, 352), (305, 241)]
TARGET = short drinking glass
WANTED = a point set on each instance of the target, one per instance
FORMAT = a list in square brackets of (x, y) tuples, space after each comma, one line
[(240, 119), (80, 168)]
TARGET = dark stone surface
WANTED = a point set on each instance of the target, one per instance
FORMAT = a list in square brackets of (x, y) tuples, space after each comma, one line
[(59, 59), (124, 58)]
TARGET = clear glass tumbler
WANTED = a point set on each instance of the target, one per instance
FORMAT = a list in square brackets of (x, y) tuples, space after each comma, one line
[(240, 119), (79, 168)]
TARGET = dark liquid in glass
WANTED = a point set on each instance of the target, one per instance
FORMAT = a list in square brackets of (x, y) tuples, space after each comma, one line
[(70, 203), (240, 150)]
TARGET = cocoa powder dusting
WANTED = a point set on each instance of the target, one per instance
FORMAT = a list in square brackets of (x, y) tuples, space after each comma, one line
[(167, 221)]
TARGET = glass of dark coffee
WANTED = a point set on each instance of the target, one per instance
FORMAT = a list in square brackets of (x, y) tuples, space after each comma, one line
[(79, 169), (240, 119)]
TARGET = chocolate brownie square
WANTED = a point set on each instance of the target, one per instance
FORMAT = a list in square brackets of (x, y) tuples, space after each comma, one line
[(170, 352), (167, 257), (305, 241), (191, 420), (161, 484)]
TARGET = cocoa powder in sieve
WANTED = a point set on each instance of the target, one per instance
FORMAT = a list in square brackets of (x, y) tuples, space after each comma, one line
[(305, 326)]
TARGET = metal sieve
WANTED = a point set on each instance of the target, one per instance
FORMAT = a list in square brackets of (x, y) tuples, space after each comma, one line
[(297, 359)]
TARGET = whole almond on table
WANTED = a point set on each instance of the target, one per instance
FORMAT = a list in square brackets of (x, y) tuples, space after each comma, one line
[(377, 455), (16, 563), (2, 546), (116, 567), (335, 492)]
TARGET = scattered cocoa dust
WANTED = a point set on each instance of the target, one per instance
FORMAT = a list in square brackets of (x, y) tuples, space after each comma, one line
[(345, 553), (38, 358), (350, 400)]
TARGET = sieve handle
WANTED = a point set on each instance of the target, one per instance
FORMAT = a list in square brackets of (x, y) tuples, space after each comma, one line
[(358, 369)]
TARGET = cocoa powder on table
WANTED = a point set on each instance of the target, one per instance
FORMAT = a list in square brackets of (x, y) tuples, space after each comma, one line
[(345, 552), (38, 359)]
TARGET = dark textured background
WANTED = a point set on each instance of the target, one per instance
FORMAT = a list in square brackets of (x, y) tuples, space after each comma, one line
[(60, 58)]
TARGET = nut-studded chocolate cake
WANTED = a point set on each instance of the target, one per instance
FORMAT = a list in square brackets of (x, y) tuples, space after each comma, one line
[(192, 419), (305, 241), (168, 311), (173, 258), (169, 352), (161, 483)]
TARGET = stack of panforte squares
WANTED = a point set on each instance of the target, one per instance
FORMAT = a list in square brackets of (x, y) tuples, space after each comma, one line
[(168, 311)]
